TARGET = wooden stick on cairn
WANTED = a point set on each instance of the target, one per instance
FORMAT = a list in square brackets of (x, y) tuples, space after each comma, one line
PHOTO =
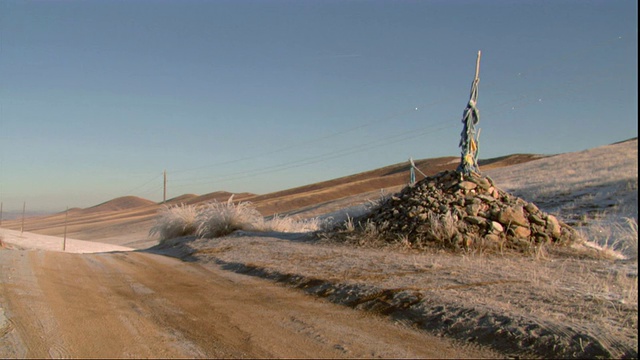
[(468, 137)]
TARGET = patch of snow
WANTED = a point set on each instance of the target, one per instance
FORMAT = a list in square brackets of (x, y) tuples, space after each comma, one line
[(32, 241)]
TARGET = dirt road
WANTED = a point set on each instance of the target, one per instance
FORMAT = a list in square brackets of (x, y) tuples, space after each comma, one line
[(135, 305)]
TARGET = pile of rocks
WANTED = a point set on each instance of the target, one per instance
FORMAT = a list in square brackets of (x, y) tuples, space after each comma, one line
[(457, 211)]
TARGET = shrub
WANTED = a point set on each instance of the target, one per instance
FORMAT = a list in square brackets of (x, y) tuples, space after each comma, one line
[(288, 224), (219, 219), (175, 221), (618, 237)]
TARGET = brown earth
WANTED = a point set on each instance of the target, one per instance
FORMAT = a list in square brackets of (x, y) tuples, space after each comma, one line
[(127, 220), (121, 203), (141, 305), (552, 304), (556, 305)]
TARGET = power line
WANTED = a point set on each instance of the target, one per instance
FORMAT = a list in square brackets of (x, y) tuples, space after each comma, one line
[(154, 190), (408, 135), (316, 140), (144, 184), (520, 101)]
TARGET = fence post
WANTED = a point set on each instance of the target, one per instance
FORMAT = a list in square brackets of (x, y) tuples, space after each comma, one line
[(64, 240), (412, 172), (24, 206), (164, 187)]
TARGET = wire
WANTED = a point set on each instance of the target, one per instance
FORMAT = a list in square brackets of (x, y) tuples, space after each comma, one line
[(519, 102), (316, 140), (143, 185), (320, 158)]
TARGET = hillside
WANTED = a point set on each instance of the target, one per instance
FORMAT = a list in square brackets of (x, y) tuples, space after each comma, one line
[(551, 303), (118, 204), (119, 220)]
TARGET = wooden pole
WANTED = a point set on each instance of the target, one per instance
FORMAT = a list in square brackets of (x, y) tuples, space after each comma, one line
[(469, 140), (24, 207), (478, 65), (164, 191), (0, 214), (412, 172), (64, 240)]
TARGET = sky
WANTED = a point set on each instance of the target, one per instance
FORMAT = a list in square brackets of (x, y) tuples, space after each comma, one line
[(99, 98)]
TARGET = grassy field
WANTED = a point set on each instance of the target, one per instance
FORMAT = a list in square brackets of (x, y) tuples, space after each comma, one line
[(557, 302)]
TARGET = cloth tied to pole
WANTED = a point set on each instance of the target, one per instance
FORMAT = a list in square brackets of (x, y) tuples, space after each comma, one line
[(468, 137)]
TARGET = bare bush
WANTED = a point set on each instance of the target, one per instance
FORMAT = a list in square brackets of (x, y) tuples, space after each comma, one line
[(217, 219), (175, 221), (443, 227), (287, 224), (349, 226), (614, 237)]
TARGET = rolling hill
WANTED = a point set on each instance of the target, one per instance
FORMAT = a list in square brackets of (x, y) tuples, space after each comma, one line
[(119, 220)]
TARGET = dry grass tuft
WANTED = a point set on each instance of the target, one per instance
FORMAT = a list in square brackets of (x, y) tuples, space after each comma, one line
[(175, 221), (219, 219), (443, 227), (287, 224), (613, 240)]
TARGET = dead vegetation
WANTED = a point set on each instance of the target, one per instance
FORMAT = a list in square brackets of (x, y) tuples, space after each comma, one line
[(568, 297), (548, 306), (454, 267), (458, 213), (572, 300)]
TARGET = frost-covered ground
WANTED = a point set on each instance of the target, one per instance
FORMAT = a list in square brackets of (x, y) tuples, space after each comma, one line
[(595, 190), (31, 241), (551, 305)]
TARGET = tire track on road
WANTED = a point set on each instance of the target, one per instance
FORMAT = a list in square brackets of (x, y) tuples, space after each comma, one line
[(142, 305), (24, 295)]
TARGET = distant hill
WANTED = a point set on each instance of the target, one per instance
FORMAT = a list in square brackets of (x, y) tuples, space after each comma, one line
[(12, 215), (121, 203), (181, 199), (132, 217), (220, 196), (388, 177), (624, 141)]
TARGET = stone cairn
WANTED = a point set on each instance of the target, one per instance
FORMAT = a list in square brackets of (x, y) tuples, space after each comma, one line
[(455, 211), (459, 209)]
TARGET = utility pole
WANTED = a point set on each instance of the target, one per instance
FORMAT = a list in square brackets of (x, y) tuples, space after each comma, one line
[(64, 240), (24, 207), (0, 214), (164, 192)]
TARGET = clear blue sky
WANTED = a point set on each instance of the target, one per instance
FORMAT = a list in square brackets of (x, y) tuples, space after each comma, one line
[(97, 98)]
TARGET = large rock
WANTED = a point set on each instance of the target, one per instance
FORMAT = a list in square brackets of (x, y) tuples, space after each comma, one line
[(513, 215), (554, 226)]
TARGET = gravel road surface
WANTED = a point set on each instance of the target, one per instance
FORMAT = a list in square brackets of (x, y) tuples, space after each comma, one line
[(137, 305)]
